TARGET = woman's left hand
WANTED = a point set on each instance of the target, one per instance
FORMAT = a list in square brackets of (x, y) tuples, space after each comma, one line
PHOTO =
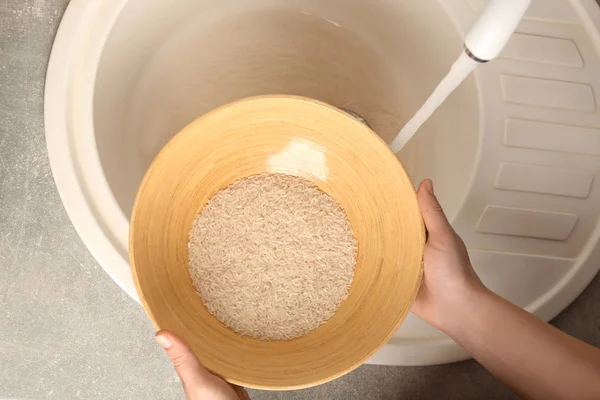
[(198, 382)]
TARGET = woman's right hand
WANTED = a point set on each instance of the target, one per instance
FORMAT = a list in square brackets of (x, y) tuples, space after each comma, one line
[(532, 357), (449, 280)]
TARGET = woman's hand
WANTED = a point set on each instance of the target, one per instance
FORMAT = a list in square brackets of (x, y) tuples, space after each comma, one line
[(533, 358), (449, 280), (198, 382)]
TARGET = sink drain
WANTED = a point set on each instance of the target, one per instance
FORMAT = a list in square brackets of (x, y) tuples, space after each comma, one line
[(357, 116)]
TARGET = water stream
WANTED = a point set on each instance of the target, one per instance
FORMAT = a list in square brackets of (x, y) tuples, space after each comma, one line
[(458, 73)]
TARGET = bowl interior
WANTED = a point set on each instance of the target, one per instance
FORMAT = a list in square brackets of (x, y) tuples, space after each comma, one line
[(299, 137)]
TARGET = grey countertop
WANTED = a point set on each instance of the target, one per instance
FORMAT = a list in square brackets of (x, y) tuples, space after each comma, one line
[(67, 329)]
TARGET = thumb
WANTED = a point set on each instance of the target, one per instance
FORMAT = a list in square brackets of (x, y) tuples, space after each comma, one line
[(186, 364), (433, 215)]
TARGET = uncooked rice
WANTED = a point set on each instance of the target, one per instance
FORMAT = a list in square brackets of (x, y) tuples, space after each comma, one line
[(272, 256)]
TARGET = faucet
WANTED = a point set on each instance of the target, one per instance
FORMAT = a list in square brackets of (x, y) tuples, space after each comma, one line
[(484, 42), (490, 33)]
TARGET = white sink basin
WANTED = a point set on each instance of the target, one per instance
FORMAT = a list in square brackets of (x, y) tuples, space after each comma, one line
[(125, 76)]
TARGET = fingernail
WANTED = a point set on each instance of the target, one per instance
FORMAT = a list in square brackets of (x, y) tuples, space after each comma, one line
[(429, 185), (163, 341)]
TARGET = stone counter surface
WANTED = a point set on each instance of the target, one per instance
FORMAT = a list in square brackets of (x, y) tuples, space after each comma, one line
[(67, 331)]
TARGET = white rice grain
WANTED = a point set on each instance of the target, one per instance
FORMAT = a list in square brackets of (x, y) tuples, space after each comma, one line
[(272, 256)]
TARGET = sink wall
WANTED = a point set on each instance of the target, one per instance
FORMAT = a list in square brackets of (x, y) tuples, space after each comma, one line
[(163, 66)]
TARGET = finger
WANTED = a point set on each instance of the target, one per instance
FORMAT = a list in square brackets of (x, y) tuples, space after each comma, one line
[(433, 215), (186, 364), (241, 392)]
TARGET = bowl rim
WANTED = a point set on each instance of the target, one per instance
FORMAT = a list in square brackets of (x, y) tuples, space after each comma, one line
[(372, 136)]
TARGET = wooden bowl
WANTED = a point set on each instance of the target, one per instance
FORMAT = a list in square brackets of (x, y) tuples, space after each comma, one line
[(296, 136)]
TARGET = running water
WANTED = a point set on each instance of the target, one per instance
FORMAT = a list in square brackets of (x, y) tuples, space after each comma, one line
[(458, 73)]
